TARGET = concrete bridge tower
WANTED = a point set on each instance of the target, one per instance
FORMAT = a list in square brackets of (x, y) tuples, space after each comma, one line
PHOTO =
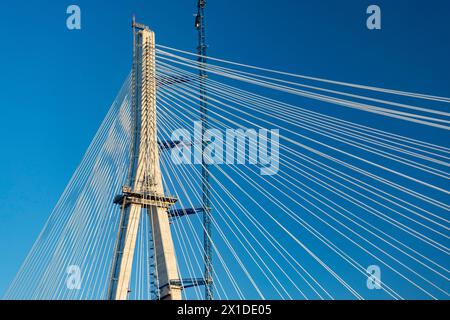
[(144, 193)]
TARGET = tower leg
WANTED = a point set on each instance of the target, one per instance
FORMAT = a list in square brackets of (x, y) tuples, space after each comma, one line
[(166, 264), (123, 260)]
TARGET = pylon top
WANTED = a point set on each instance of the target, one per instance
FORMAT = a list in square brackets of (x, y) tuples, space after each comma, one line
[(138, 26)]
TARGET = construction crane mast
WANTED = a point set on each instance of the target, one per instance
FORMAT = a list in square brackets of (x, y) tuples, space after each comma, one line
[(206, 186)]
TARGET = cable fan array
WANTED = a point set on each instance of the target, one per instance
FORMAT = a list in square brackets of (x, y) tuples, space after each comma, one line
[(81, 230), (362, 182), (347, 196)]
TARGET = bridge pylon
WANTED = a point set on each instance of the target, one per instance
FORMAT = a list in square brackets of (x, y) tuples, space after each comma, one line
[(144, 192)]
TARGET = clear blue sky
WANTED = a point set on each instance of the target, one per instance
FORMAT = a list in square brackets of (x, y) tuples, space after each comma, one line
[(58, 84)]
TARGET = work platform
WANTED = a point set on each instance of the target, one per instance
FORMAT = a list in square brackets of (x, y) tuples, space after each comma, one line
[(129, 196)]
